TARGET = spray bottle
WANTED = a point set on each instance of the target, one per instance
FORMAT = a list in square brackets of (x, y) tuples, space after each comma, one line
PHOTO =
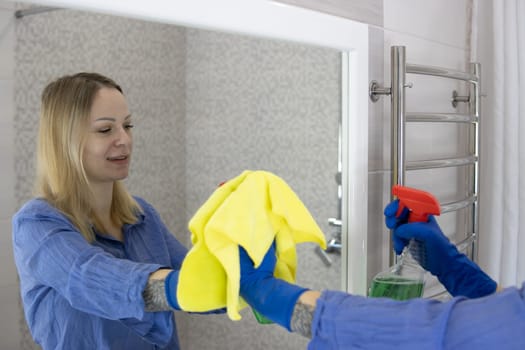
[(405, 280)]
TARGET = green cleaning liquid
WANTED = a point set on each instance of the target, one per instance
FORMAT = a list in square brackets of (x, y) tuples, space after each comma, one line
[(260, 318), (394, 287)]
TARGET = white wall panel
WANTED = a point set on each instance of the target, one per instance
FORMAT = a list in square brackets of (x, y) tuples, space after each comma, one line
[(434, 33), (442, 21), (366, 11)]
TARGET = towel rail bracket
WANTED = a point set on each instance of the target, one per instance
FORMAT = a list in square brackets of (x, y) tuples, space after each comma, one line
[(375, 90), (457, 98)]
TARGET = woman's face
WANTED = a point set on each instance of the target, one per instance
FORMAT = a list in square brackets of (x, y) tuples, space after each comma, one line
[(107, 151)]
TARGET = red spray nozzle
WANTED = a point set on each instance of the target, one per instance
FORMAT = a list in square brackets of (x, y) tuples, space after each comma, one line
[(420, 203)]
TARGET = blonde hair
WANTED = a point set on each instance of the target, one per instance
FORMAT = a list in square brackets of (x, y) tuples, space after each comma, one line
[(61, 179)]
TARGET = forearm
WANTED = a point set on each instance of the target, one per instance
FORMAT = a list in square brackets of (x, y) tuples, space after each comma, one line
[(463, 277), (303, 312), (354, 322), (154, 293), (304, 309)]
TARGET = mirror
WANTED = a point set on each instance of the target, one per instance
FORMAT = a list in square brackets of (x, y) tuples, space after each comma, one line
[(210, 100)]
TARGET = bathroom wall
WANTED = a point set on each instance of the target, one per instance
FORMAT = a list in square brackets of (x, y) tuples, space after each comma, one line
[(262, 104), (432, 33), (153, 77), (435, 33), (9, 326), (366, 11), (206, 106)]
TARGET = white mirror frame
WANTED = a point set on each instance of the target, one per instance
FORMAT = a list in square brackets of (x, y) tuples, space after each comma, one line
[(270, 19)]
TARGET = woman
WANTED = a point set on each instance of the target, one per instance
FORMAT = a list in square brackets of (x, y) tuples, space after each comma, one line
[(98, 268)]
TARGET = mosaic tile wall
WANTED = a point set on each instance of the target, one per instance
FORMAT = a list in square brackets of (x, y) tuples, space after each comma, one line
[(206, 106), (147, 59), (259, 104)]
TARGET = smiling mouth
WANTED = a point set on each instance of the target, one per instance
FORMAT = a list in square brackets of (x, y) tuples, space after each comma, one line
[(118, 158)]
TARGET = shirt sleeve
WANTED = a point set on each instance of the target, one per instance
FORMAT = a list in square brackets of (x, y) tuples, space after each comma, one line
[(51, 252), (343, 321)]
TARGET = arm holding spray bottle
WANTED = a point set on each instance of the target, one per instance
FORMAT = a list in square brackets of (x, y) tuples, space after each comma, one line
[(338, 320), (435, 252)]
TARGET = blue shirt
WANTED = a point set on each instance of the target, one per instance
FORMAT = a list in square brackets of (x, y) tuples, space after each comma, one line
[(78, 295), (343, 321)]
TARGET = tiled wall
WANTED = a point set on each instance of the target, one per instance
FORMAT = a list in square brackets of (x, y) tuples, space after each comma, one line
[(262, 104), (206, 106), (9, 325), (152, 76), (406, 22)]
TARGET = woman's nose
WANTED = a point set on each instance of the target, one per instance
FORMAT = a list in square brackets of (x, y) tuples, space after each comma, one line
[(123, 137)]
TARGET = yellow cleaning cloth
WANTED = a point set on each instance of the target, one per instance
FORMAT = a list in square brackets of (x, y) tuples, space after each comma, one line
[(250, 210)]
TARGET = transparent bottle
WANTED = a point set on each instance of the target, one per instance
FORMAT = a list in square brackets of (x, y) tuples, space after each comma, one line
[(404, 280)]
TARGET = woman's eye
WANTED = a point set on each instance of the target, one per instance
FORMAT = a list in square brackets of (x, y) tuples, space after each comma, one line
[(129, 126), (104, 131)]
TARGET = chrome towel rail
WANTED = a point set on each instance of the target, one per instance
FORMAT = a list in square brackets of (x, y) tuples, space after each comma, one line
[(440, 163), (399, 164), (440, 72), (454, 206), (441, 117)]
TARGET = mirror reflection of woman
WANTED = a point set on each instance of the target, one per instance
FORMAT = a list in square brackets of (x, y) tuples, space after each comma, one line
[(98, 268)]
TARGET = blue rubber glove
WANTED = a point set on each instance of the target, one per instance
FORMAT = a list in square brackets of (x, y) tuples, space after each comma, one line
[(435, 253), (171, 283), (170, 286), (392, 222), (272, 297)]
